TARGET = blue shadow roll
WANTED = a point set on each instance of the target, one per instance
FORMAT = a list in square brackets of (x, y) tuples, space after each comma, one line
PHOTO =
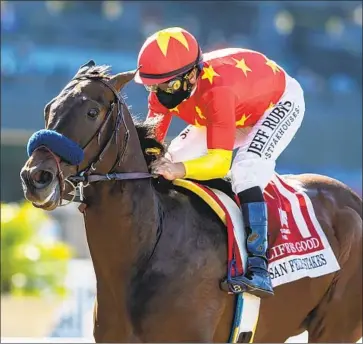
[(59, 144)]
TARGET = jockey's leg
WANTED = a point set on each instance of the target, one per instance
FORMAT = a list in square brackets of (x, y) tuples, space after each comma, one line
[(252, 169), (256, 280)]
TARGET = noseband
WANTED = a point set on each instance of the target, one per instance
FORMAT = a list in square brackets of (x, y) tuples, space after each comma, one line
[(86, 176)]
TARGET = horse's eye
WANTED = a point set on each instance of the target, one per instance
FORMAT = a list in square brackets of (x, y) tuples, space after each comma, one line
[(93, 113)]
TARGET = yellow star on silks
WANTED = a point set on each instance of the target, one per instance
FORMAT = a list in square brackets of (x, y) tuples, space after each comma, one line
[(199, 112), (209, 73), (243, 120), (270, 106), (174, 109), (163, 38), (241, 64), (272, 64)]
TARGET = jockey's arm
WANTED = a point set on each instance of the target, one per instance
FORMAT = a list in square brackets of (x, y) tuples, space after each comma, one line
[(163, 117), (221, 129)]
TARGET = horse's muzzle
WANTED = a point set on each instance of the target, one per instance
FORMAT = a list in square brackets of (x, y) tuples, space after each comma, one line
[(41, 185), (38, 177)]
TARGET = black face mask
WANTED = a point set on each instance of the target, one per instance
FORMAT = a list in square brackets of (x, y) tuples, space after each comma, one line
[(171, 100)]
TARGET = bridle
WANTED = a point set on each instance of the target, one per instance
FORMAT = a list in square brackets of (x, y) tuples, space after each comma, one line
[(86, 176), (83, 178)]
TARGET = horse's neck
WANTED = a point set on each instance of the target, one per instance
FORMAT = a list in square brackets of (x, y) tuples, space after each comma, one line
[(121, 222), (121, 226)]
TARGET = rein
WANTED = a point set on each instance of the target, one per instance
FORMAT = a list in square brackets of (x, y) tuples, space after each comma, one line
[(83, 178)]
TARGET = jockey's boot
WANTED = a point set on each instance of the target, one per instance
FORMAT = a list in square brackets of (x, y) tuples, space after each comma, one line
[(256, 280)]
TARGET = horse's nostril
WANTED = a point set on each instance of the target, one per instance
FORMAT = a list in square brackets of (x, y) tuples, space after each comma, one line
[(42, 178)]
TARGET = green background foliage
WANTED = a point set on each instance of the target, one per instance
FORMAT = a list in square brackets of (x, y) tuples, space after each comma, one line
[(31, 263)]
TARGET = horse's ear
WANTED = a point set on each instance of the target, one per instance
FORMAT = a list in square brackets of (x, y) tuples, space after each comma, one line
[(47, 108), (118, 81), (89, 64), (46, 111), (85, 67)]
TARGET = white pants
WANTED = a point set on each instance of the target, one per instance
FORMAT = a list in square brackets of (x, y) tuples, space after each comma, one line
[(258, 146)]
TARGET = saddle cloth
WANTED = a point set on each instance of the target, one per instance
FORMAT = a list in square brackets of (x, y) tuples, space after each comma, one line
[(298, 247)]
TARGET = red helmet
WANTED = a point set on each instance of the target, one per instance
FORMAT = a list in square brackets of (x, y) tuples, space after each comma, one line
[(167, 54)]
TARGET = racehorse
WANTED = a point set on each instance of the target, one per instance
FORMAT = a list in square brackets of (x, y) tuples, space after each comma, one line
[(158, 251)]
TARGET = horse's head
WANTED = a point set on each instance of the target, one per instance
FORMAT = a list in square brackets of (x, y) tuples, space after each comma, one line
[(81, 124)]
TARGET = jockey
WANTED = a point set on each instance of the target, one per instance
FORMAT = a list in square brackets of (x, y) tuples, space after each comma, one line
[(231, 99)]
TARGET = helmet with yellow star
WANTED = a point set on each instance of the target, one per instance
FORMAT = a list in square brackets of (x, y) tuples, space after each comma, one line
[(167, 54)]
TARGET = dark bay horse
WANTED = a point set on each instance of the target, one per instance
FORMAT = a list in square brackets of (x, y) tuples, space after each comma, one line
[(159, 252)]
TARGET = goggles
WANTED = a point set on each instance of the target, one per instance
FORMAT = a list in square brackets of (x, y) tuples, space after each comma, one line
[(171, 86)]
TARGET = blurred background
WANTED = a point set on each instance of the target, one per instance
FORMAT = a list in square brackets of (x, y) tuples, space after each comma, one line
[(43, 43)]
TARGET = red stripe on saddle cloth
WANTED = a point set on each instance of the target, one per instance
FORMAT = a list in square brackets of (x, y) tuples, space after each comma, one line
[(289, 214), (302, 204), (232, 248)]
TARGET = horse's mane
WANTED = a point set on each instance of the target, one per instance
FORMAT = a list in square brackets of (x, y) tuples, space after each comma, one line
[(153, 149), (103, 71)]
